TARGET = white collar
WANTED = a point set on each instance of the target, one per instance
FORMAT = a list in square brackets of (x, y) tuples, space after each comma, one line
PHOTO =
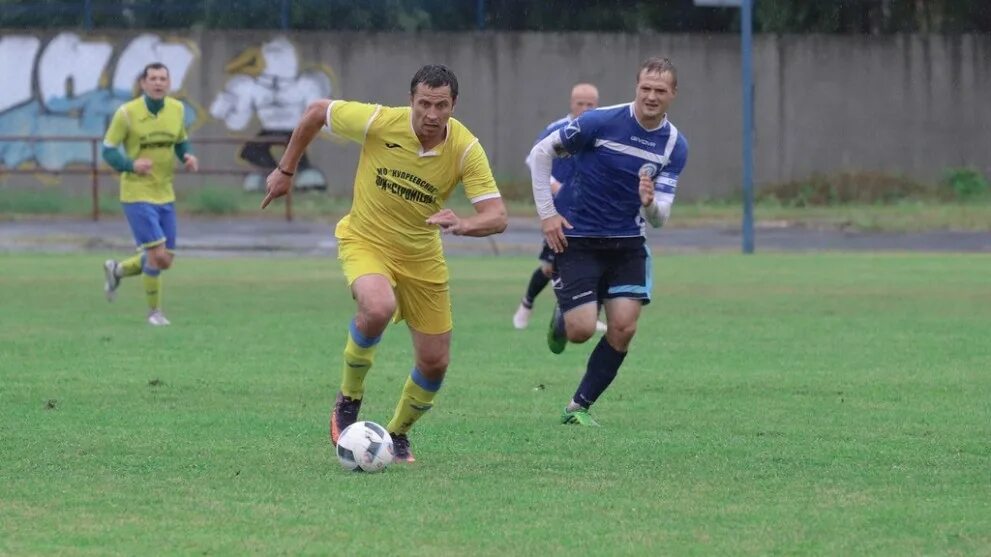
[(664, 121)]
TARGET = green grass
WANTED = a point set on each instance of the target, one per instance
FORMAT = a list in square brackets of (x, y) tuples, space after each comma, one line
[(775, 404)]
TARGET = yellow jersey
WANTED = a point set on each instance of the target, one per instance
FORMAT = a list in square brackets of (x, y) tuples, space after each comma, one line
[(149, 136), (397, 185)]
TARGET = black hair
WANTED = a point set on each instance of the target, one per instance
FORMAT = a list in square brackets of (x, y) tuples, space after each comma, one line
[(434, 76), (153, 66)]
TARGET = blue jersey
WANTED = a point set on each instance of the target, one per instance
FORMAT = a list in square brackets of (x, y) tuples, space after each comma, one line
[(563, 169), (611, 150)]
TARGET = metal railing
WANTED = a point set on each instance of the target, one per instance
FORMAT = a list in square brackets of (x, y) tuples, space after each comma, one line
[(94, 169)]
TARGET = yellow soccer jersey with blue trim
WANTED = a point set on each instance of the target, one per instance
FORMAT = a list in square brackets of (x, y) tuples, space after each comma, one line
[(397, 185), (149, 136)]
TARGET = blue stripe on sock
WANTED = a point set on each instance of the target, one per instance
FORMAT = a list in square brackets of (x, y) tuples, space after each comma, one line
[(426, 384), (360, 339), (150, 271)]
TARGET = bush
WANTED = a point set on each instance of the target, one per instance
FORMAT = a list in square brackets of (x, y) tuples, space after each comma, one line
[(964, 184), (849, 187), (210, 200), (31, 201)]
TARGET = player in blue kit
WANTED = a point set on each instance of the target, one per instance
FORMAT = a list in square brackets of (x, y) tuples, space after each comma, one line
[(628, 160), (584, 96)]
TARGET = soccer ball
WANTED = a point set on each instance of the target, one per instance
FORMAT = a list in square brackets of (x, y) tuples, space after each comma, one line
[(365, 447)]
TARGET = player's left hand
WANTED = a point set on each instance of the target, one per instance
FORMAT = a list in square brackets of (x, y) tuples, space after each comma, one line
[(448, 222), (191, 163), (646, 190)]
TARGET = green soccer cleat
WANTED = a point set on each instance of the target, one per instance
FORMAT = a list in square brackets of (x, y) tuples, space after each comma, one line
[(556, 340), (578, 417)]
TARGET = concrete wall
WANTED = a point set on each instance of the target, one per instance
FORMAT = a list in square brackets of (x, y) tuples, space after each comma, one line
[(903, 104)]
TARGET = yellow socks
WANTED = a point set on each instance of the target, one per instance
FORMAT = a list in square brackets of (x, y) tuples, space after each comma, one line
[(417, 398), (359, 352), (132, 265), (152, 280)]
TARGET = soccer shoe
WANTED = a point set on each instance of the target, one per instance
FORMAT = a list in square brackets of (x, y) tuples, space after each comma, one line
[(578, 417), (556, 340), (112, 281), (157, 318), (403, 452), (522, 317), (345, 413), (600, 327)]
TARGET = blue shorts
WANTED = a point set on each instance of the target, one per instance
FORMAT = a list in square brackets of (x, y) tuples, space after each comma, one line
[(597, 269), (152, 224)]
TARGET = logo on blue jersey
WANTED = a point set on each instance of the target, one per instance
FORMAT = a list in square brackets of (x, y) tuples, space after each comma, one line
[(643, 141), (649, 170), (572, 129)]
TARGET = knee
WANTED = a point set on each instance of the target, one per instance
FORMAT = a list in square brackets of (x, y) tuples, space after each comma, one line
[(433, 366), (375, 315), (580, 333), (547, 270), (160, 261), (620, 334)]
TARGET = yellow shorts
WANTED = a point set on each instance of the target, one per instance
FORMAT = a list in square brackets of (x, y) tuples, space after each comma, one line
[(424, 304)]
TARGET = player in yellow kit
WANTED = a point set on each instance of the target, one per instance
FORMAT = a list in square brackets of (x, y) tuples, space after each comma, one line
[(389, 244), (152, 131)]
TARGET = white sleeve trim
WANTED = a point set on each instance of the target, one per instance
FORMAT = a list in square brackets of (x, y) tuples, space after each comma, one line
[(368, 124), (378, 108), (461, 163), (484, 196), (327, 117), (541, 159)]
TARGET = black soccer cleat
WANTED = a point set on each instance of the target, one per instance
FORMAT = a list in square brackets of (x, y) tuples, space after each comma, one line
[(345, 413), (400, 445)]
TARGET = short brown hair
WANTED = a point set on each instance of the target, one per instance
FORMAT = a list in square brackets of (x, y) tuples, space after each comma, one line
[(658, 64), (153, 66)]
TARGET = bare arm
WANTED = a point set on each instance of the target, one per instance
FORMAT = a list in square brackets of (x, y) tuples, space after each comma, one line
[(279, 181), (489, 218)]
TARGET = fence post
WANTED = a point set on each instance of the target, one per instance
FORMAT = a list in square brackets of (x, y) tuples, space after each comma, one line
[(95, 178), (88, 15), (289, 204)]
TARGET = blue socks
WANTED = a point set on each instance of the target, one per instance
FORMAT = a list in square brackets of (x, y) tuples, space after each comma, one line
[(603, 364)]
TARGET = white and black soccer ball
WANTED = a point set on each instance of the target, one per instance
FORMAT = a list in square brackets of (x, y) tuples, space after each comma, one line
[(365, 447)]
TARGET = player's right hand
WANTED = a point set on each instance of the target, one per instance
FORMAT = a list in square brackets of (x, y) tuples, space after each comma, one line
[(142, 166), (553, 228), (276, 185)]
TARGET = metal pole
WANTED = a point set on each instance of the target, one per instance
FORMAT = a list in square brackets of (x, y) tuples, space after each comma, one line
[(284, 14), (88, 15), (95, 179), (480, 14), (746, 44), (289, 204)]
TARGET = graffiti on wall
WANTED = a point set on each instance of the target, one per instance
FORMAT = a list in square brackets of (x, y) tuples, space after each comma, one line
[(267, 82), (71, 87)]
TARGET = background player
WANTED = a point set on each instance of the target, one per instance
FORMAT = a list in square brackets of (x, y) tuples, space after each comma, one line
[(629, 158), (152, 131), (389, 244), (584, 96)]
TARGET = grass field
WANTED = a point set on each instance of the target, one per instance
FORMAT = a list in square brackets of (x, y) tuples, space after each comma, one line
[(775, 404)]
